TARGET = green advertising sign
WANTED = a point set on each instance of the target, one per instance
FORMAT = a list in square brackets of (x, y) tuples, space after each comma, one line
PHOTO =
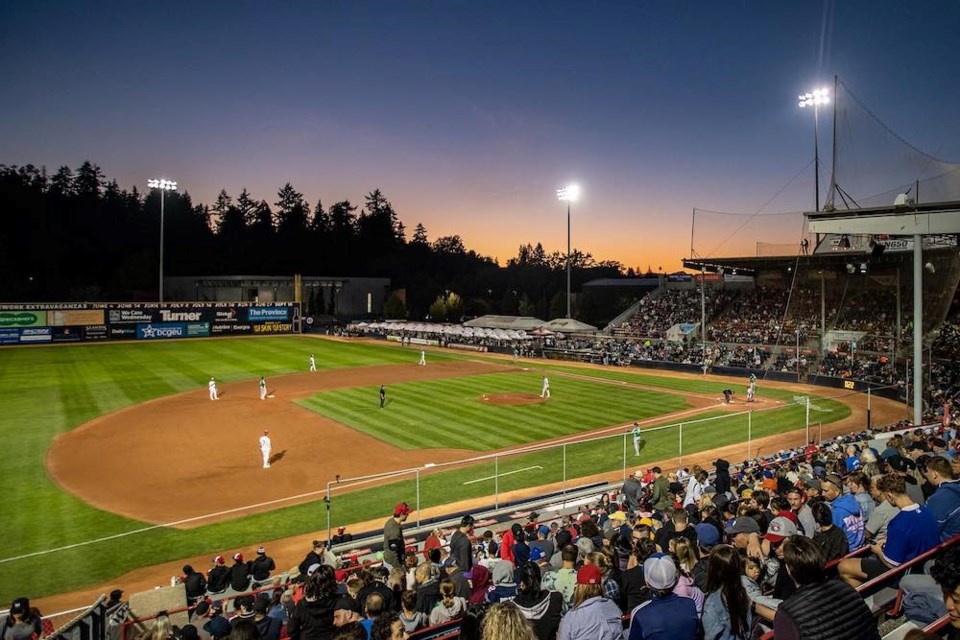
[(23, 318)]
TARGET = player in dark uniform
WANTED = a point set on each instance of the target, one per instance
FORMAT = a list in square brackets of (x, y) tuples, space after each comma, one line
[(383, 396)]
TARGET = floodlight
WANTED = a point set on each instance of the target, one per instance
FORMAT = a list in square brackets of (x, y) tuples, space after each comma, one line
[(570, 193)]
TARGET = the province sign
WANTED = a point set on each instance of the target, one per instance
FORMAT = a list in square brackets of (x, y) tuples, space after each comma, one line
[(22, 318)]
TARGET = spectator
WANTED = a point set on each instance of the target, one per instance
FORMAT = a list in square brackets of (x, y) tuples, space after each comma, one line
[(217, 626), (633, 587), (505, 622), (859, 485), (434, 540), (912, 532), (685, 557), (565, 578), (461, 549), (845, 509), (244, 630), (242, 609), (504, 587), (830, 538), (317, 615), (194, 584), (428, 587), (660, 490), (801, 509), (375, 581), (393, 545), (543, 542), (946, 573), (268, 628), (540, 607), (218, 577), (666, 616), (631, 490), (820, 608), (388, 627), (22, 623), (409, 616), (884, 512), (593, 617), (372, 609), (261, 566), (450, 607), (318, 554), (904, 467), (239, 573), (727, 610), (722, 477), (676, 527), (480, 583), (944, 504)]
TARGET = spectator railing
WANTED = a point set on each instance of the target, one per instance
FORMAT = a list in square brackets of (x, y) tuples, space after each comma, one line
[(443, 631)]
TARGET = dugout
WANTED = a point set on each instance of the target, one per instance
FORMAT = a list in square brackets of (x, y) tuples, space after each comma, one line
[(345, 298)]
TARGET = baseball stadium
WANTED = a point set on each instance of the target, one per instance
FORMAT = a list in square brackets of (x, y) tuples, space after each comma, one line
[(790, 395)]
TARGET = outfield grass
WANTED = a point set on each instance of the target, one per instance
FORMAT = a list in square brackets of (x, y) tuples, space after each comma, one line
[(451, 413), (47, 391)]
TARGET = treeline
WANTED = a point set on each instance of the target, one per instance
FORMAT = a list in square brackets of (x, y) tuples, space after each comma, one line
[(75, 235)]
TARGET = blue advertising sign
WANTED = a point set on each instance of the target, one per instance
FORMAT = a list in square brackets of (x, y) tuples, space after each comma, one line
[(268, 314), (198, 329), (36, 334), (161, 330), (9, 335)]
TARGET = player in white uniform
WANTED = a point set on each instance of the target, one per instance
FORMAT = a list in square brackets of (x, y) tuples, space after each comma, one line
[(545, 392), (212, 386), (423, 358), (263, 388), (751, 388), (636, 438), (313, 363), (265, 448)]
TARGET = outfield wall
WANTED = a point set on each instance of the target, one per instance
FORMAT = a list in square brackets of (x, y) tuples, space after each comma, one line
[(32, 323)]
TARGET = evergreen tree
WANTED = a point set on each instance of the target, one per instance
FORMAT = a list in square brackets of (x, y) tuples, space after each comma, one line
[(420, 235)]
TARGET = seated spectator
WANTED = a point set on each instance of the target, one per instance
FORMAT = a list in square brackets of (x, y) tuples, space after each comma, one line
[(388, 627), (593, 617), (884, 512), (846, 510), (820, 608), (218, 577), (685, 557), (831, 539), (504, 587), (946, 573), (564, 579), (428, 587), (801, 508), (268, 627), (676, 527), (317, 615), (859, 486), (666, 616), (239, 573), (945, 501), (409, 616), (727, 611), (450, 607), (22, 623), (261, 566), (752, 575), (912, 532), (540, 607), (504, 621)]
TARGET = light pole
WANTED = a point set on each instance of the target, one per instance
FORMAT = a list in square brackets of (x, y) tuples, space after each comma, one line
[(798, 354), (570, 193), (814, 99), (163, 185)]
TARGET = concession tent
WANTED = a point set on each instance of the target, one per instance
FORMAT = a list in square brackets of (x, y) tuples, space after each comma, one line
[(569, 325)]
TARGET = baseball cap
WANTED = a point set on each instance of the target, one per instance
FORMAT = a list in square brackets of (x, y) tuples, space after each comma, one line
[(589, 574), (813, 483), (189, 632), (780, 528), (707, 535), (341, 529), (402, 509), (660, 572), (218, 560), (618, 515), (20, 606), (238, 557), (710, 489), (536, 554), (646, 521), (743, 524), (312, 569), (899, 463), (543, 530)]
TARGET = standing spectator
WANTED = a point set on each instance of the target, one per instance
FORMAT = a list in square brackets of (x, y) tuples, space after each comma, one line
[(666, 616), (194, 583), (820, 608), (393, 545), (845, 509), (540, 607), (722, 477), (695, 486), (480, 583), (593, 617), (631, 491), (912, 532), (945, 501), (461, 549), (727, 609), (660, 491)]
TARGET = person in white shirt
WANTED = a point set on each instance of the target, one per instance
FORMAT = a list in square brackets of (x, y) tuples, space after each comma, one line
[(212, 387), (545, 392), (263, 388), (313, 363), (265, 448), (423, 359)]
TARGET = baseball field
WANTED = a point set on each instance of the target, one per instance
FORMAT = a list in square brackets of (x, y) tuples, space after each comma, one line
[(117, 460)]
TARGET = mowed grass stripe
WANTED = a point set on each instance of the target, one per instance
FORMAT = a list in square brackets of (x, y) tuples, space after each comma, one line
[(451, 412)]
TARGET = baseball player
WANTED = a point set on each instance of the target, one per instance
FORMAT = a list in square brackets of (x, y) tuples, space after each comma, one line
[(265, 448), (383, 396), (636, 438), (263, 388), (212, 387), (751, 387), (545, 391), (313, 363), (423, 358)]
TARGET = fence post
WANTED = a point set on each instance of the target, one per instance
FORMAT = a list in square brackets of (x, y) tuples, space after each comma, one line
[(680, 457), (807, 423), (564, 474), (327, 500), (496, 482), (418, 497), (749, 432), (624, 479)]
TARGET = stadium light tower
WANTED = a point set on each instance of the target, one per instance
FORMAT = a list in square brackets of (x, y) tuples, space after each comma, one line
[(570, 193), (814, 99), (163, 185)]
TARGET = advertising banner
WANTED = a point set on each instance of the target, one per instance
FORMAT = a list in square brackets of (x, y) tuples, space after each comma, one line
[(67, 334), (95, 332), (273, 327), (30, 318), (218, 328), (9, 336), (74, 318), (132, 316), (198, 329), (36, 334), (265, 314), (161, 330)]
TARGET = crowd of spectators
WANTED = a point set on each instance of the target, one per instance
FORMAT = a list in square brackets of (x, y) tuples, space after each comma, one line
[(660, 311)]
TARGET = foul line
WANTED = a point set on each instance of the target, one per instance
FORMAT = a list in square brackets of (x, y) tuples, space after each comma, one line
[(502, 474)]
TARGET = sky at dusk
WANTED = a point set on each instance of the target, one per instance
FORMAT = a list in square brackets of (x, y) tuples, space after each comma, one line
[(469, 115)]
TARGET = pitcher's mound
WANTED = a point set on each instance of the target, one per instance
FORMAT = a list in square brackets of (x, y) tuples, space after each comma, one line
[(512, 398)]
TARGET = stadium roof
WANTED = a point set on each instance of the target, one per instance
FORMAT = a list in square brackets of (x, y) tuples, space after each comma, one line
[(653, 281), (569, 325), (520, 323)]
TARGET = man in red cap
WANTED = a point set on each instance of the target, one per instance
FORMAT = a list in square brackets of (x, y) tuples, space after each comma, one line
[(239, 573), (393, 545), (218, 577), (593, 615)]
